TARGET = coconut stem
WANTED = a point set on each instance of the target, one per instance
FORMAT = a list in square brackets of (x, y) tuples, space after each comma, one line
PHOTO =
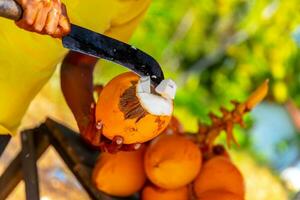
[(208, 134)]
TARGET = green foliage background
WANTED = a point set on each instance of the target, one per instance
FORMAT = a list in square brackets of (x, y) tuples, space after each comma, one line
[(221, 50)]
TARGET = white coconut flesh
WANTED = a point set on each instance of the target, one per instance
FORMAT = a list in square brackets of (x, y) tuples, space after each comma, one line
[(162, 104)]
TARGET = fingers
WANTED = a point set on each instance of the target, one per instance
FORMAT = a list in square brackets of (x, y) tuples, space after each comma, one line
[(131, 147), (41, 18), (63, 27), (30, 14), (45, 17), (64, 21), (52, 21), (58, 33), (112, 146), (117, 144)]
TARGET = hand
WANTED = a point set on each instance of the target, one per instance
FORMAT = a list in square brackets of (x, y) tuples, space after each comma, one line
[(44, 17), (91, 133)]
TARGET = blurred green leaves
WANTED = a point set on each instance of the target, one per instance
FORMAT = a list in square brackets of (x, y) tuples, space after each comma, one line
[(219, 50)]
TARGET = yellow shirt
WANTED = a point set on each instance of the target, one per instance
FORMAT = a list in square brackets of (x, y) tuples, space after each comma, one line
[(27, 60)]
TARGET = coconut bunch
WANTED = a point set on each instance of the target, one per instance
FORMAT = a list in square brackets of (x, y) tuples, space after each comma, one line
[(172, 164)]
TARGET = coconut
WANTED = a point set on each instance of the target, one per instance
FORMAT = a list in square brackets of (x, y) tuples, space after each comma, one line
[(131, 108)]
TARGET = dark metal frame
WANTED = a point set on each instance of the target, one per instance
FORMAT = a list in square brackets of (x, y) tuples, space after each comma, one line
[(79, 158)]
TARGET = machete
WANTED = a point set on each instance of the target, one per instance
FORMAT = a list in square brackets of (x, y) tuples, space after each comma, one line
[(97, 45)]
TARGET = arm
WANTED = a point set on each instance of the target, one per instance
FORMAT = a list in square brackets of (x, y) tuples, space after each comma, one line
[(77, 86), (44, 17)]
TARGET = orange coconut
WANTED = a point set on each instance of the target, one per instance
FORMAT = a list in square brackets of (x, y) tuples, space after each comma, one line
[(155, 193), (219, 195), (121, 112), (172, 161), (219, 174), (121, 174)]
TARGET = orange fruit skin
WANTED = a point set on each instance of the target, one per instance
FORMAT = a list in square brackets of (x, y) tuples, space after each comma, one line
[(219, 174), (121, 174), (172, 161), (219, 195), (154, 193), (113, 119)]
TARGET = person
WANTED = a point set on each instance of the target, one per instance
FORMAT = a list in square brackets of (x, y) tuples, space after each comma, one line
[(28, 58)]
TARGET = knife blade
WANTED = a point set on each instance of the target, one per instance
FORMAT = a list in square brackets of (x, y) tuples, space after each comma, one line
[(94, 44), (98, 45)]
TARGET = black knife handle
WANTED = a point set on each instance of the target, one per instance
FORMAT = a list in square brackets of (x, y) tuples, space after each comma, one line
[(10, 9)]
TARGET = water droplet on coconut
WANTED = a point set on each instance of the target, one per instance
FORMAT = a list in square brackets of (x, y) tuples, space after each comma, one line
[(99, 125), (92, 105), (119, 140)]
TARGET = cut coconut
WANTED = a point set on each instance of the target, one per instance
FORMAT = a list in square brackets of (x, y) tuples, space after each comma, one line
[(167, 88), (156, 104), (144, 85)]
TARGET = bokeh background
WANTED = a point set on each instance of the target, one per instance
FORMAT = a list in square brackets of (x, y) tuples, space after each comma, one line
[(216, 51)]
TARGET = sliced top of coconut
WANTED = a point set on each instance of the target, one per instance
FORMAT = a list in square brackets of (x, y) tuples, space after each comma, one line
[(156, 104), (167, 88)]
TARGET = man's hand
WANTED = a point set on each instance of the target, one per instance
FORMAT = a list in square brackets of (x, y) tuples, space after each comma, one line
[(44, 17), (91, 133)]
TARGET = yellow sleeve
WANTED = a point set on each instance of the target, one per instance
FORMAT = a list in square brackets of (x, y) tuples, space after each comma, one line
[(125, 23), (5, 131)]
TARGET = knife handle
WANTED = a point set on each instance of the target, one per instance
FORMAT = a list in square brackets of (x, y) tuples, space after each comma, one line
[(10, 9)]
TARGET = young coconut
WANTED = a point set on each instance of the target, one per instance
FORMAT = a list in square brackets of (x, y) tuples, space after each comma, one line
[(155, 193), (131, 109), (121, 174), (172, 161), (219, 174)]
